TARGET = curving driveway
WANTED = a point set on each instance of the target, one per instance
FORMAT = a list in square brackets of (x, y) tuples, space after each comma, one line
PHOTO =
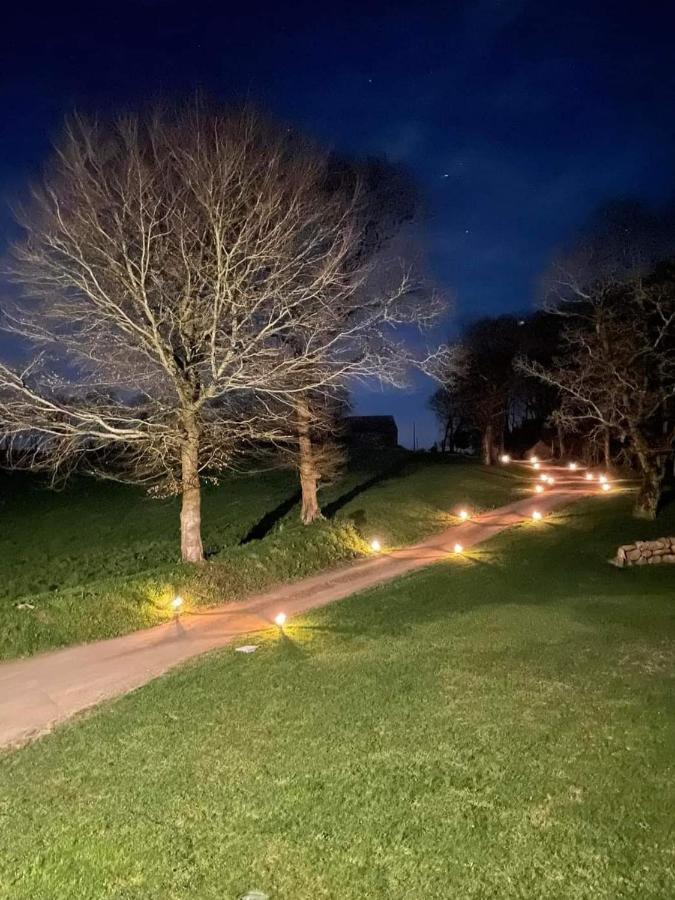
[(39, 692)]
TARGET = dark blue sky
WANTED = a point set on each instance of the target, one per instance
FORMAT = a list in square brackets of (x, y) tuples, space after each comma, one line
[(516, 118)]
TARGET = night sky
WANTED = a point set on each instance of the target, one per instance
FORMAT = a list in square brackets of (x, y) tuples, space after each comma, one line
[(516, 118)]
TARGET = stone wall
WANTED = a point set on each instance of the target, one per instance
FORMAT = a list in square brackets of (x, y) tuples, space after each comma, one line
[(641, 553)]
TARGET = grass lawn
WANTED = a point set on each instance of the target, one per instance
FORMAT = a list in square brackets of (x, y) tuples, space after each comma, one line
[(99, 559), (500, 726)]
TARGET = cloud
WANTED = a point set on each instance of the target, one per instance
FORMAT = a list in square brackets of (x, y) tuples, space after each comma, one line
[(402, 141)]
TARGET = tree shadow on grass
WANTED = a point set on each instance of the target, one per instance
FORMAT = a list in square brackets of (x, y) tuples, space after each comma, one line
[(263, 527), (332, 508)]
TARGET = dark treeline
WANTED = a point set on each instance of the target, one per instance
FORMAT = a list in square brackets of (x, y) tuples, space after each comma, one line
[(486, 402), (592, 373)]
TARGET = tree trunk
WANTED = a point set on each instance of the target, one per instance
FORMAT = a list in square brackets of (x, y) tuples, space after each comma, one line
[(561, 443), (487, 445), (446, 437), (607, 449), (648, 497), (309, 476), (191, 514)]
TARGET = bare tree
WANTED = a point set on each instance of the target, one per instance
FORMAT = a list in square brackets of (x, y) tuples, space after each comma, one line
[(481, 378), (313, 444), (386, 297), (614, 291), (616, 373), (185, 273), (364, 328), (446, 404)]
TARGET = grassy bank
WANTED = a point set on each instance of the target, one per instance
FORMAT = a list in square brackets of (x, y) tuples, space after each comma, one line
[(99, 559), (499, 726)]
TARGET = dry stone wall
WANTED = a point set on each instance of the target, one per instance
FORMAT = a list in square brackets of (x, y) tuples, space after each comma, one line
[(642, 553)]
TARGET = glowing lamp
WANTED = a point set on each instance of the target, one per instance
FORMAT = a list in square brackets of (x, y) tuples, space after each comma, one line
[(458, 548), (539, 488), (176, 604), (536, 515), (543, 477), (505, 458), (550, 479), (534, 459), (536, 465), (603, 479), (464, 514), (280, 619), (589, 476), (572, 467), (605, 486), (375, 545)]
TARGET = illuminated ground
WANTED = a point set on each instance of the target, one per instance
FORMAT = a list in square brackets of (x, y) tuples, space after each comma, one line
[(495, 727), (41, 692), (98, 560)]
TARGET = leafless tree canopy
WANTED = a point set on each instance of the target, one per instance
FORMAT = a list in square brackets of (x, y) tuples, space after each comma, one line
[(616, 367), (616, 374), (186, 274)]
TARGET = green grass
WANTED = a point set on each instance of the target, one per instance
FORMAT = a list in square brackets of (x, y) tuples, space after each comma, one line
[(500, 726), (99, 559)]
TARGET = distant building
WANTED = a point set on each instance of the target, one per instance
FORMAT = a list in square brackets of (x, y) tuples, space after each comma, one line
[(371, 432)]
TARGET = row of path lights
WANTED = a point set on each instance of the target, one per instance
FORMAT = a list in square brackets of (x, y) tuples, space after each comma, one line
[(465, 515), (545, 478)]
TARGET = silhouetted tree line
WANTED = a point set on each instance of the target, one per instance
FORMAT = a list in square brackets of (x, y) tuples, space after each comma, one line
[(485, 402), (592, 372)]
